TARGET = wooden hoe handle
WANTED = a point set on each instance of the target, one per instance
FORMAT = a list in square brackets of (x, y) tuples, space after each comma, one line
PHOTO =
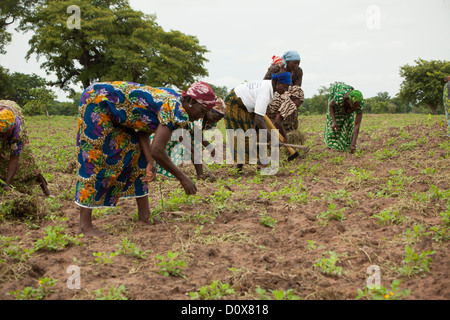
[(272, 127)]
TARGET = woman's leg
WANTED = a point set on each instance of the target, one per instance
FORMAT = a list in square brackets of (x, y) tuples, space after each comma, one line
[(143, 210), (447, 114), (86, 228)]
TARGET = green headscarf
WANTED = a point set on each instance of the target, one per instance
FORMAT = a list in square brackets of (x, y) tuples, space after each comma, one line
[(356, 96)]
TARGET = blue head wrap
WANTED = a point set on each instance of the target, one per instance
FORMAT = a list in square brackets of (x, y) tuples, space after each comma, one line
[(290, 56), (283, 77)]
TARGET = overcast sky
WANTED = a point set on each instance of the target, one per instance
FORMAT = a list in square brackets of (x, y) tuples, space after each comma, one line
[(360, 42)]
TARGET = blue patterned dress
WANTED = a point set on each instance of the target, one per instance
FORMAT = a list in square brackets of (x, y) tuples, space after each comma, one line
[(111, 161)]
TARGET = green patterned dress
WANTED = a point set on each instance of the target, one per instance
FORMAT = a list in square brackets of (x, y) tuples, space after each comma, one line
[(447, 105), (342, 139)]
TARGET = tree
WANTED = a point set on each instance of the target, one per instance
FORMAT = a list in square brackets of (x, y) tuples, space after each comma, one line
[(423, 83), (42, 97), (114, 42), (381, 103), (23, 84), (10, 12), (221, 92), (5, 84), (318, 104)]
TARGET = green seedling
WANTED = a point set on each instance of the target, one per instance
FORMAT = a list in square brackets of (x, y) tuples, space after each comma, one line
[(385, 154), (112, 293), (388, 217), (267, 220), (44, 288), (129, 248), (416, 263), (215, 291), (312, 245), (170, 266), (103, 258), (442, 231), (384, 293), (276, 294), (410, 146), (331, 214), (337, 160), (359, 177), (328, 265), (55, 239)]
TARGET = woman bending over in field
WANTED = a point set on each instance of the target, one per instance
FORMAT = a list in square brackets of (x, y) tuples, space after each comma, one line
[(209, 122), (345, 111), (115, 156), (447, 103), (283, 107), (246, 107), (17, 164)]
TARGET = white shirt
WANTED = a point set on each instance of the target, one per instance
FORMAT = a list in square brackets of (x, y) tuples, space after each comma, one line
[(256, 95)]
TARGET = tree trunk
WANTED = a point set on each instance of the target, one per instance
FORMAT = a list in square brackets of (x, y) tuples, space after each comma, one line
[(434, 109), (48, 117)]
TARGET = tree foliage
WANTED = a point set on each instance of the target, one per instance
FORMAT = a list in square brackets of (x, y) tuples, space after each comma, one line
[(5, 84), (114, 42), (423, 83), (221, 92), (12, 11), (23, 86)]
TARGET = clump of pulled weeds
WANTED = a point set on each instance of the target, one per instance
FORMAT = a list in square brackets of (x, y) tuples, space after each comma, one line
[(17, 205)]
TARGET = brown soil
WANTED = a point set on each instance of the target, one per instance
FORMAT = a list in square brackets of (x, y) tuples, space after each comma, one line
[(231, 245)]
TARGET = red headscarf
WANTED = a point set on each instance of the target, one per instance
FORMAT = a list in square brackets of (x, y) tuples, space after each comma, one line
[(202, 92)]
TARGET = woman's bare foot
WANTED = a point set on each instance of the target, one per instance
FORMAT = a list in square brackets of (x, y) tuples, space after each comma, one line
[(148, 222), (86, 227), (91, 232)]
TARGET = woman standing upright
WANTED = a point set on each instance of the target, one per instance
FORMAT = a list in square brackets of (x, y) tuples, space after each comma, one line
[(290, 63), (345, 111), (115, 157)]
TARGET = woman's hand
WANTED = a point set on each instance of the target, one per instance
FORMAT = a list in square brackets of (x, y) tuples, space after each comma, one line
[(189, 186), (150, 172), (335, 127), (352, 149)]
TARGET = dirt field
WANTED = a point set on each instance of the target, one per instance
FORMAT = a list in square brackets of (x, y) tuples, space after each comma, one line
[(309, 232)]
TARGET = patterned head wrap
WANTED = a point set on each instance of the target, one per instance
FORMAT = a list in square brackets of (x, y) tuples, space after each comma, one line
[(276, 59), (7, 120), (290, 56), (220, 107), (202, 92), (356, 96), (296, 92), (283, 77)]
